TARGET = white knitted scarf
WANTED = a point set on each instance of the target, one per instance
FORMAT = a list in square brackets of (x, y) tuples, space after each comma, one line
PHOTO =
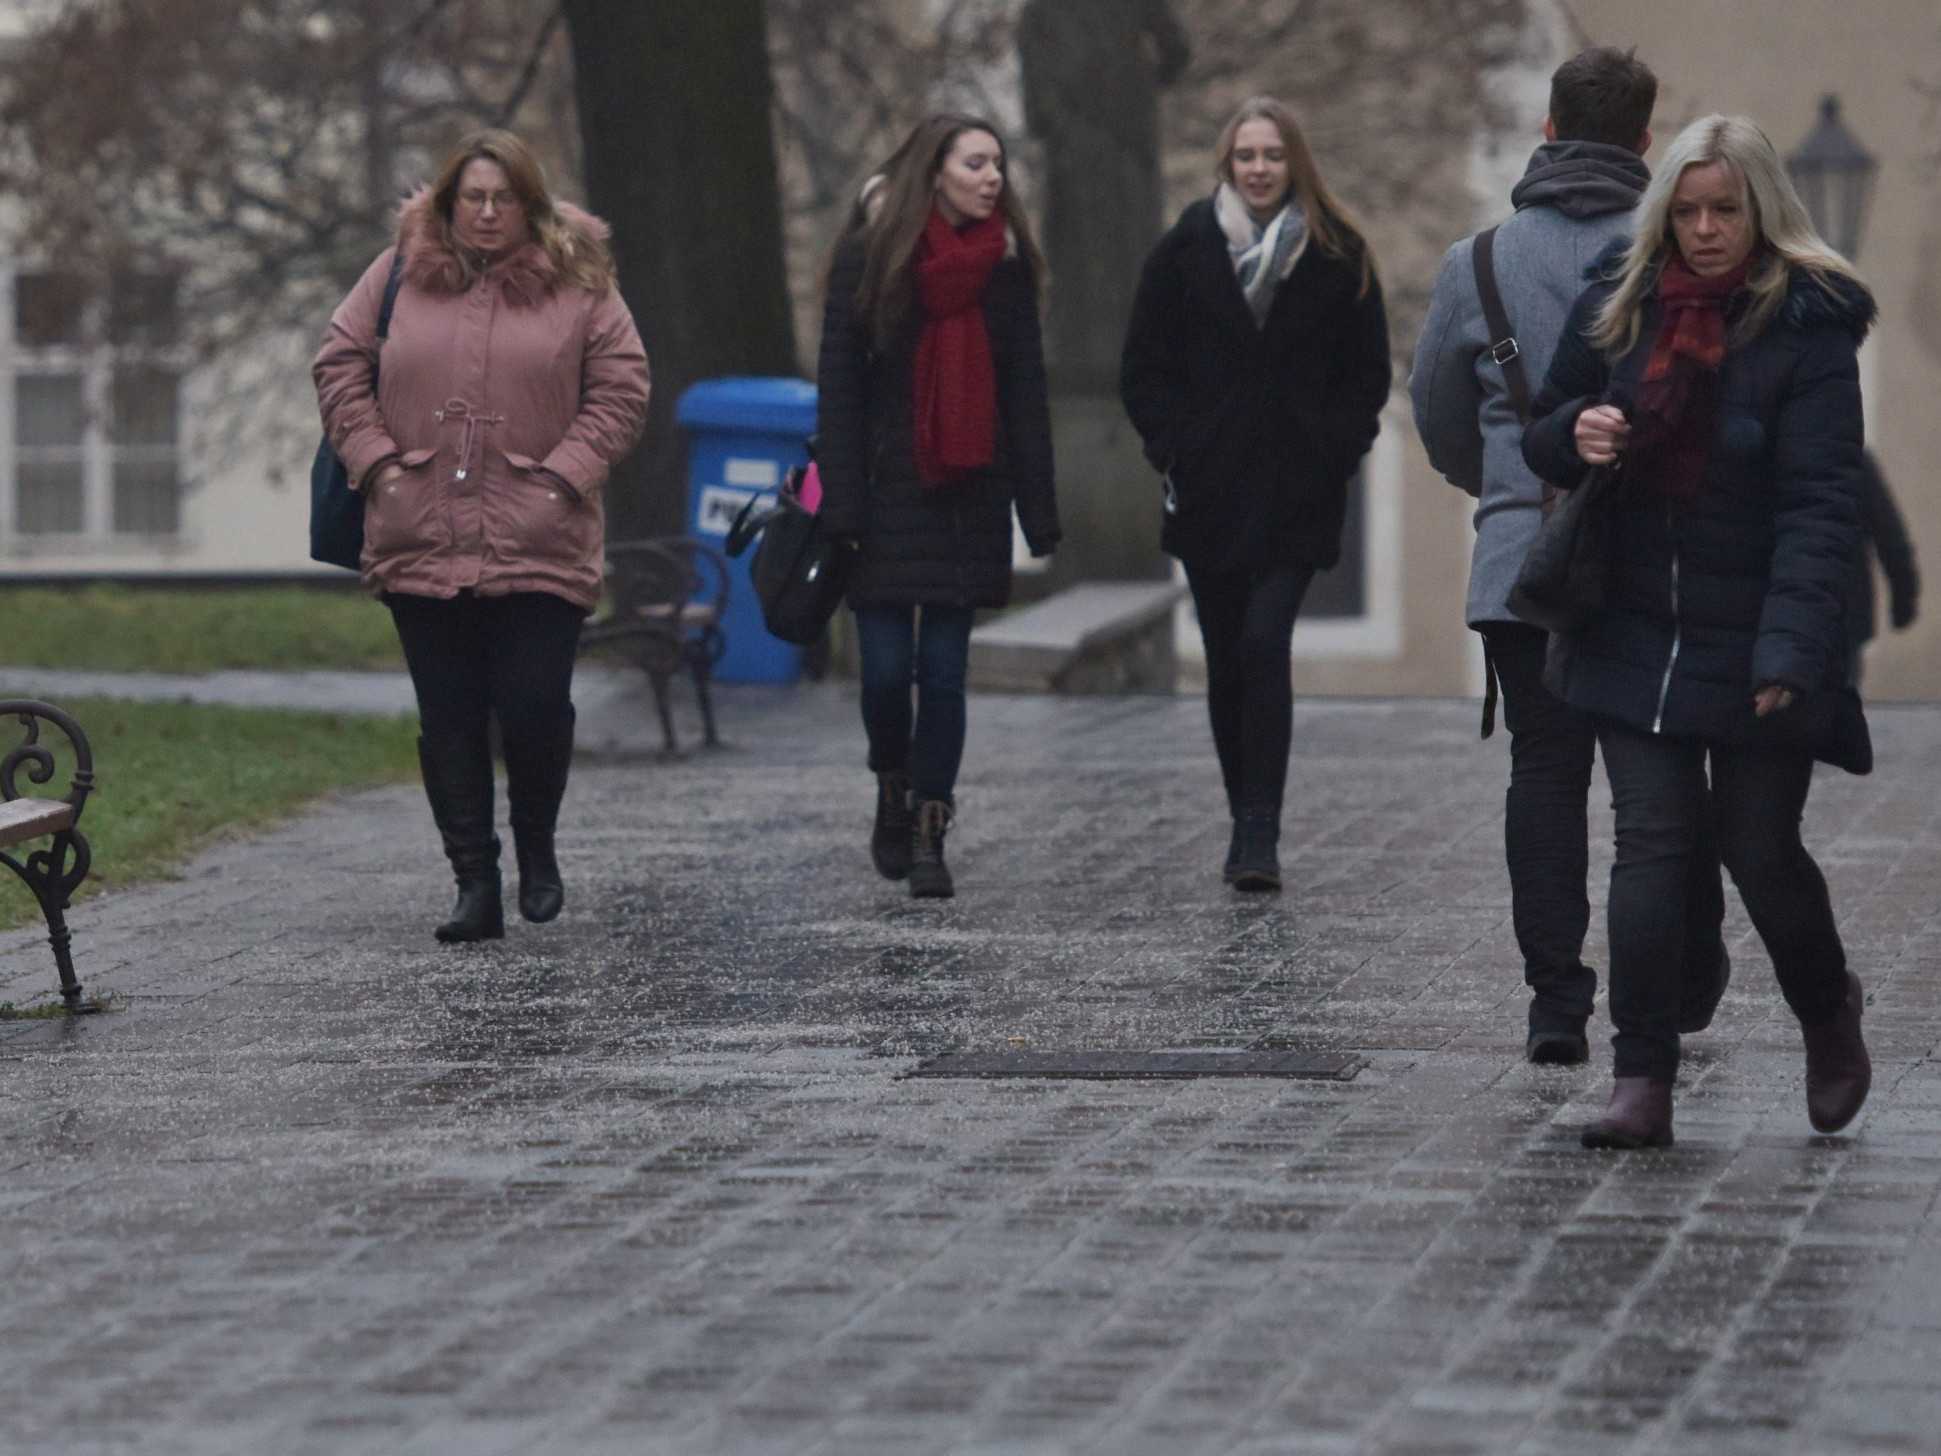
[(1262, 256)]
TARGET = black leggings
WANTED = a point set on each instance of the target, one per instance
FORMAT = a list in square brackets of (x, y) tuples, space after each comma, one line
[(1247, 624), (473, 657)]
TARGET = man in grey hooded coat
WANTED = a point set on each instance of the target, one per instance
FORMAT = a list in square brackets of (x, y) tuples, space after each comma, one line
[(1574, 199)]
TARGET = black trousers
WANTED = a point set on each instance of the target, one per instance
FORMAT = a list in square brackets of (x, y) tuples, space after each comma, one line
[(1247, 626), (1546, 831), (473, 658), (1755, 802)]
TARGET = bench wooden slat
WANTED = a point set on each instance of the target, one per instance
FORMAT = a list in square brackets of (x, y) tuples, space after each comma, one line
[(22, 819)]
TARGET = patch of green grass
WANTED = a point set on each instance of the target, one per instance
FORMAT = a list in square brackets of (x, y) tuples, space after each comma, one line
[(169, 777), (55, 1010), (107, 628)]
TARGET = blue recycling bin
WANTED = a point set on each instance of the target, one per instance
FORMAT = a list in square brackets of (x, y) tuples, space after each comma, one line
[(743, 435)]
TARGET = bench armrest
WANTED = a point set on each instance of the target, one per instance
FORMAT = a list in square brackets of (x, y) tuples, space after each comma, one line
[(33, 760)]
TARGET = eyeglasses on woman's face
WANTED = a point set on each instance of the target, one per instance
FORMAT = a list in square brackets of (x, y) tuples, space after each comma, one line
[(479, 199)]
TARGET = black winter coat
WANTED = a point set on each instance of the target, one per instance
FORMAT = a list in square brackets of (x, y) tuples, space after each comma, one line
[(1259, 429), (942, 545), (1747, 585)]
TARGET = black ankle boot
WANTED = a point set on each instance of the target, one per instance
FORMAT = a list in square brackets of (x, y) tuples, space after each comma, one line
[(458, 782), (1258, 866), (929, 875), (890, 841), (536, 767), (1232, 866), (1838, 1069)]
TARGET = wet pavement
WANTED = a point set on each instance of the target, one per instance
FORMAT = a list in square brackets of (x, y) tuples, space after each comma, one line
[(655, 1178)]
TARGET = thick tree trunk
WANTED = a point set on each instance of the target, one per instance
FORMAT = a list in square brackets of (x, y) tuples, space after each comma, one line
[(680, 159)]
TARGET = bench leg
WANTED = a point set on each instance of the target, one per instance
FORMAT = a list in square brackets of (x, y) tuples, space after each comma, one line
[(58, 937), (50, 875), (702, 671), (671, 746)]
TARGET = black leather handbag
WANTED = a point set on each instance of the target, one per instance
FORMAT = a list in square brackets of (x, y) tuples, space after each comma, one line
[(337, 511), (1564, 576), (798, 572)]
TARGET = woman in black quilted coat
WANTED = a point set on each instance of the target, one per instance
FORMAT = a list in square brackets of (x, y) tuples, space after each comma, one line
[(933, 419), (1255, 369), (1714, 369)]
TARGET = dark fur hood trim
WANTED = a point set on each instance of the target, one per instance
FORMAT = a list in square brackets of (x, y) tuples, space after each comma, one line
[(529, 275), (1810, 302), (1835, 300)]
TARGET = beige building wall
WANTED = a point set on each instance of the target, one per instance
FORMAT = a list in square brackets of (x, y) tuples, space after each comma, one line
[(1773, 62)]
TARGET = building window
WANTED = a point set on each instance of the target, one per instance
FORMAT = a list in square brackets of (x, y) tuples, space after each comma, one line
[(95, 380)]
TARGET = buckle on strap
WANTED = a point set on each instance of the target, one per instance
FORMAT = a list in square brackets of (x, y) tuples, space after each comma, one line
[(1504, 351)]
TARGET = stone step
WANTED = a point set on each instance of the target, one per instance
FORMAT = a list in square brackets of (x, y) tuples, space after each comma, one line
[(1096, 637)]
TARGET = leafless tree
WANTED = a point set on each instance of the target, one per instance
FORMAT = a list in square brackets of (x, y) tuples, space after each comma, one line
[(254, 153), (1392, 98)]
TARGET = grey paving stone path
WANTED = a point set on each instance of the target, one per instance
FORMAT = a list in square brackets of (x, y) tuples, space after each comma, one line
[(653, 1178)]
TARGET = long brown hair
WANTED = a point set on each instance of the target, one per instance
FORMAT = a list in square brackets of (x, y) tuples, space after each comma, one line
[(896, 206), (582, 259), (1328, 222)]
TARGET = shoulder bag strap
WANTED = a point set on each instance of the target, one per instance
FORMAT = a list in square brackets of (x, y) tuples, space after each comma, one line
[(384, 309), (1503, 346)]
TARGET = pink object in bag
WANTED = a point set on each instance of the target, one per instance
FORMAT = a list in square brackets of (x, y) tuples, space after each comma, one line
[(810, 492)]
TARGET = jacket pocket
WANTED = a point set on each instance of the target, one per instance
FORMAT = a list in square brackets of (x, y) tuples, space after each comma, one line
[(406, 512), (548, 522)]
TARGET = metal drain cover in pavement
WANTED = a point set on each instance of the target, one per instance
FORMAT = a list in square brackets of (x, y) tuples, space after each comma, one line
[(1143, 1066)]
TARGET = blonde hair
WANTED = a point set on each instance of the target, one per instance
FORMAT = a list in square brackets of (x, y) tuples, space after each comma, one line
[(1777, 215), (1332, 227), (582, 259)]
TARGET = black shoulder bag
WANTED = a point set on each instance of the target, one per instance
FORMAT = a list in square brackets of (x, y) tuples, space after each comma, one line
[(799, 573), (337, 511)]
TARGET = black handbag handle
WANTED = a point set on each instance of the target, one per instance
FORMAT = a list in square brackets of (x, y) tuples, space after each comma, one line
[(746, 525)]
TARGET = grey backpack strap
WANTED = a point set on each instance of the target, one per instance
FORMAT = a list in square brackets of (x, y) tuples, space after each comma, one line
[(1503, 346)]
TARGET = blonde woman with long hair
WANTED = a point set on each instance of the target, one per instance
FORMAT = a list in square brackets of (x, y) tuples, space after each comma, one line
[(513, 378), (1255, 369), (1713, 368)]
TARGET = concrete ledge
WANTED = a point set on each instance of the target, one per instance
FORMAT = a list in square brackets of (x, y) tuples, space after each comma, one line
[(1097, 637)]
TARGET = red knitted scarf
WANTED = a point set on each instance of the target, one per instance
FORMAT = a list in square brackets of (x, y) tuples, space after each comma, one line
[(956, 381), (1678, 398)]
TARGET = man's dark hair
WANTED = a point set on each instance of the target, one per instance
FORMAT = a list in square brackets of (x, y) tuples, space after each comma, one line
[(1603, 95)]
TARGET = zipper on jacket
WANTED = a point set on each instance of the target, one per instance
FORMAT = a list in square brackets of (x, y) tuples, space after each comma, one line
[(1664, 686)]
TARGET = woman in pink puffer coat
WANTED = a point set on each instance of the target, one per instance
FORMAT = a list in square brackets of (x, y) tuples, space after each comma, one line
[(512, 379)]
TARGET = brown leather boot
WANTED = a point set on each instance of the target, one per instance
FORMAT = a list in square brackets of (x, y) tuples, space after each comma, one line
[(1838, 1070), (1639, 1116)]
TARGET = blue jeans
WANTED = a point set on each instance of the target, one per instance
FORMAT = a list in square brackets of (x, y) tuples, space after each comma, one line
[(930, 648)]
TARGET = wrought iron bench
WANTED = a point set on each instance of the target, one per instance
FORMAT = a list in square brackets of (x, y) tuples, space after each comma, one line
[(667, 598), (56, 871)]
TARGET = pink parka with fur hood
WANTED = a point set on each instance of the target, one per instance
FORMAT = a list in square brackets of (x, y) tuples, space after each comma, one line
[(506, 403)]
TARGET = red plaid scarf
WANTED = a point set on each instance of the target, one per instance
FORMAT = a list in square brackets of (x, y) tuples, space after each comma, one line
[(956, 380), (1677, 406)]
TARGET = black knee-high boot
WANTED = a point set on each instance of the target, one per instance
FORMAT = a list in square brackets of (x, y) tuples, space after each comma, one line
[(536, 767), (458, 782)]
